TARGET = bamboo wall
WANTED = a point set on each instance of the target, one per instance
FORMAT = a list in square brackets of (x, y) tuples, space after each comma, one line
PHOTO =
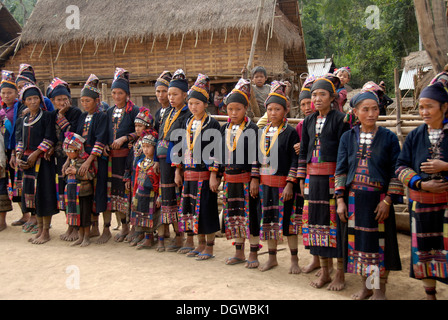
[(218, 55)]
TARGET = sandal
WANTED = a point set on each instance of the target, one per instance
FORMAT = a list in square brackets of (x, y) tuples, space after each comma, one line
[(201, 255), (185, 250)]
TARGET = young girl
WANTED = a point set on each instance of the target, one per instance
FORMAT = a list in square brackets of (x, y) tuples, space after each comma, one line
[(121, 119), (241, 204), (278, 182), (423, 167), (366, 188), (143, 126), (344, 75), (9, 94), (317, 163), (66, 119), (173, 119), (35, 139), (79, 189), (92, 126), (145, 192), (161, 86), (198, 212)]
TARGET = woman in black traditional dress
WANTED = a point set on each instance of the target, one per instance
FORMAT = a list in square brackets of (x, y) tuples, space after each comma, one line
[(121, 131), (93, 127), (366, 189), (173, 119), (423, 167), (66, 120), (36, 137), (321, 134), (198, 211)]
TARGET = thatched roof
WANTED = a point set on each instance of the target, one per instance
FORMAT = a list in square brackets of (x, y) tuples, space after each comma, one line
[(9, 32), (108, 21), (414, 60)]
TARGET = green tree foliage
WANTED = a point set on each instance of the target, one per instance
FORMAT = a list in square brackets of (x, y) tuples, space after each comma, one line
[(20, 9), (341, 28)]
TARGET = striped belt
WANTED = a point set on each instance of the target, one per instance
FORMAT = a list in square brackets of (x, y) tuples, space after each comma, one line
[(273, 181), (121, 153), (196, 175), (238, 178), (321, 169), (428, 197)]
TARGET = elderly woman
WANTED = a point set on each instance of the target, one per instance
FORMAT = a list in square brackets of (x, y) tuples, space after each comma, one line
[(366, 181), (423, 167)]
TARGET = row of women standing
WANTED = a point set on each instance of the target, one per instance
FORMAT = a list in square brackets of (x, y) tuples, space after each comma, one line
[(337, 189)]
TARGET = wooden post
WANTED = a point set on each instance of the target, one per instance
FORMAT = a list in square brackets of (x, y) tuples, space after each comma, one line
[(255, 38), (254, 106), (104, 93), (399, 105)]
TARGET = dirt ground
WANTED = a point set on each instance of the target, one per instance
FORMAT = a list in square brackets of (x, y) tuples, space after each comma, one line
[(118, 271)]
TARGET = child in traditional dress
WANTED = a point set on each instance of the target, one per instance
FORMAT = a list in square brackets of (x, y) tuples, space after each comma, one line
[(173, 119), (144, 213), (66, 119), (241, 204), (344, 75), (278, 182), (198, 212), (79, 189), (143, 126), (36, 137)]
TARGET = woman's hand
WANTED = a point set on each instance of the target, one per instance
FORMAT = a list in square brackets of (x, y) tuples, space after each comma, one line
[(302, 187), (178, 178), (434, 166), (383, 209), (287, 192), (342, 210), (254, 187), (297, 148), (118, 143), (435, 186), (215, 181)]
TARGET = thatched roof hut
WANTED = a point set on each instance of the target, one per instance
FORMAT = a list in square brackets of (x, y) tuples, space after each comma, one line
[(148, 37), (10, 30)]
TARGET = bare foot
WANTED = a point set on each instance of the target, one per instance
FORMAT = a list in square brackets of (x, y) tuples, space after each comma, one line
[(321, 281), (378, 295), (338, 282), (104, 237), (362, 294), (76, 243), (270, 264), (94, 230), (85, 242), (67, 233), (314, 265), (44, 238), (295, 269)]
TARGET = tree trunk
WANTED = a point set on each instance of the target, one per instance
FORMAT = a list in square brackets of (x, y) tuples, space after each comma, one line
[(433, 28)]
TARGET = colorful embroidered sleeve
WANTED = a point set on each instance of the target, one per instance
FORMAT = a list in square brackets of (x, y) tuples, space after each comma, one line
[(255, 173), (62, 122), (340, 182), (132, 137), (19, 147), (301, 170), (407, 176), (292, 175), (98, 149), (45, 145)]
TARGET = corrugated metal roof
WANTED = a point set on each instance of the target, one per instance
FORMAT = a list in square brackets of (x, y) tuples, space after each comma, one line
[(407, 78), (319, 67)]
